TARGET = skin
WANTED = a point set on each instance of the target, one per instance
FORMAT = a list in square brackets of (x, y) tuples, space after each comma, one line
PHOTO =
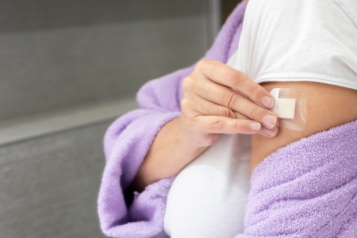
[(328, 106)]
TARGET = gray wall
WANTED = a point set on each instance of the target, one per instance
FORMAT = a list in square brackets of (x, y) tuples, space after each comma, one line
[(49, 185), (56, 54)]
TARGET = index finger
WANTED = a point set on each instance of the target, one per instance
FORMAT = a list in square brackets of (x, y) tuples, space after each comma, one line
[(238, 81)]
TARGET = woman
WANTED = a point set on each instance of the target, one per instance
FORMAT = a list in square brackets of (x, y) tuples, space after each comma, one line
[(166, 140)]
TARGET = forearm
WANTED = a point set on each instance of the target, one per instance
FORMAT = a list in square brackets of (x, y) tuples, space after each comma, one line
[(168, 155)]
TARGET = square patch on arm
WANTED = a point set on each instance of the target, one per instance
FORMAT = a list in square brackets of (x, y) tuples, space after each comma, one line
[(285, 108)]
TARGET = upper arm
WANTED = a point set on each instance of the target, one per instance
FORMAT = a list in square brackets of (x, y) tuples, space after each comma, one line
[(327, 106)]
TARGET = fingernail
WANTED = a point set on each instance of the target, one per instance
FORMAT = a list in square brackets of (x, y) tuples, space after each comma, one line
[(269, 121), (268, 102), (255, 126), (270, 132)]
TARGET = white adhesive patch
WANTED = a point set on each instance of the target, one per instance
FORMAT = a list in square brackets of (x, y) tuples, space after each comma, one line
[(285, 108), (290, 107)]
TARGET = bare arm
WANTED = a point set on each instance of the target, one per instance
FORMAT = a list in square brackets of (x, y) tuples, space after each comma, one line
[(328, 106)]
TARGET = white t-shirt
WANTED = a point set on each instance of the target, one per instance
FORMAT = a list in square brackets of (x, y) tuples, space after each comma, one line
[(282, 40)]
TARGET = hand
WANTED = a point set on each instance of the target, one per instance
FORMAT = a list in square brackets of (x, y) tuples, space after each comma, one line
[(218, 99)]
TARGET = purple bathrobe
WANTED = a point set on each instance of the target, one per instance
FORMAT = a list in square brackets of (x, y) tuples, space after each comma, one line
[(129, 138), (306, 189)]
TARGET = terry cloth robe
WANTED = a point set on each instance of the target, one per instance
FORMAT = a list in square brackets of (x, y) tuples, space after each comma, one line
[(306, 189)]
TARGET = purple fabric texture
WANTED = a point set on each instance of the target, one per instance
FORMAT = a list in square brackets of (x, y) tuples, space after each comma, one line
[(306, 189), (129, 138)]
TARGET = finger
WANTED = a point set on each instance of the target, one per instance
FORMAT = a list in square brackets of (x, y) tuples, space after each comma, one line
[(237, 81), (228, 98), (200, 106), (269, 132), (225, 125)]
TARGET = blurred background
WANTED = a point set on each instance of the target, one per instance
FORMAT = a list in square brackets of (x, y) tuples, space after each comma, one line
[(67, 70)]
